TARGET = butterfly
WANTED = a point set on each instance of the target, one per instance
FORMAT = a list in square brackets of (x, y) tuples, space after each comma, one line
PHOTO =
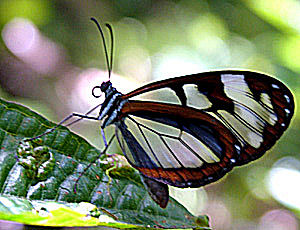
[(213, 122)]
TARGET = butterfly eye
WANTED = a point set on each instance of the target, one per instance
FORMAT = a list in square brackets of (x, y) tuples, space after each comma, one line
[(105, 85)]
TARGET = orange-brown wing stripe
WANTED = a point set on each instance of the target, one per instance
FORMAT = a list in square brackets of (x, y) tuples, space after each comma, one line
[(188, 177)]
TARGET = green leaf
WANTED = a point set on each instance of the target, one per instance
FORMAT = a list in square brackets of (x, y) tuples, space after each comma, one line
[(47, 170)]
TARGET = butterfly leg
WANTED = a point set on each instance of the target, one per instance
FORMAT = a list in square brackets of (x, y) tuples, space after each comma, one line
[(107, 173), (103, 136), (90, 164), (81, 116), (87, 113)]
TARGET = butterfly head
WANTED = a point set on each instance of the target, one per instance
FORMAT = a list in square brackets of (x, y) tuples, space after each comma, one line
[(105, 86)]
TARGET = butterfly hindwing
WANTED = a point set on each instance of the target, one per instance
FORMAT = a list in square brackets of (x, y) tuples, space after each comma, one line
[(180, 147), (158, 191)]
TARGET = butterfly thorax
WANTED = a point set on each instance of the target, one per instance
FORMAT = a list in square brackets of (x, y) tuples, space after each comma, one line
[(112, 104)]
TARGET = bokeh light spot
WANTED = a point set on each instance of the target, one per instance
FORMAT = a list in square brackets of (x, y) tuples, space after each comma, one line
[(278, 219), (19, 36), (24, 40), (135, 62), (81, 98), (176, 61), (283, 182)]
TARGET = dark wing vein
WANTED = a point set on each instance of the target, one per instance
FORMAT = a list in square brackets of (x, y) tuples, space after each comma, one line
[(145, 139)]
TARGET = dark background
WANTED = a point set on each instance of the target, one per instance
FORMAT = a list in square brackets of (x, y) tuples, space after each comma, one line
[(51, 56)]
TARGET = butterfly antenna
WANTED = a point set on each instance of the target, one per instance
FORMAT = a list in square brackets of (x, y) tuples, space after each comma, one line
[(104, 44), (111, 46)]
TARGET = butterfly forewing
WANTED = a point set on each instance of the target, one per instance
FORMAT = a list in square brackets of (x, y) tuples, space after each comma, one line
[(208, 123)]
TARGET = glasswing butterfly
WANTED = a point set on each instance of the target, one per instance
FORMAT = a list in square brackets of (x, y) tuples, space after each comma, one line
[(214, 122)]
